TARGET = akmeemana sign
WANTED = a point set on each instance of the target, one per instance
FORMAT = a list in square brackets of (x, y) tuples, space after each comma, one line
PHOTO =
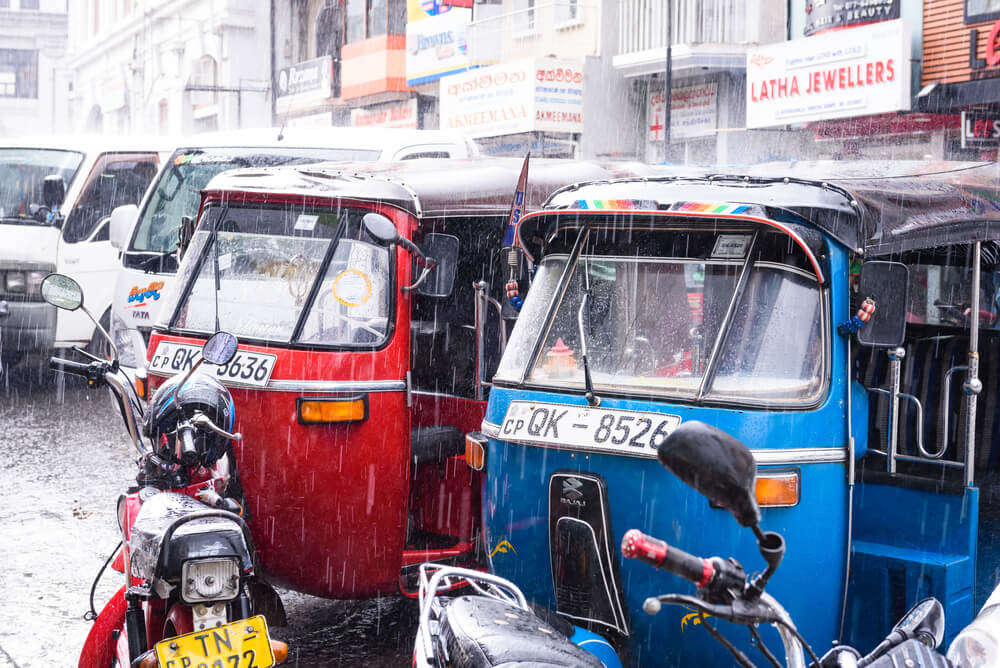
[(853, 72)]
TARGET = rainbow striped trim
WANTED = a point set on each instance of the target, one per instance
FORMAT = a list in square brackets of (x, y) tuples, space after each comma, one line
[(616, 204), (712, 207)]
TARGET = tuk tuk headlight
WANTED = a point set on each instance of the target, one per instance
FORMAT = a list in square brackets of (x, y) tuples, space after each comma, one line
[(122, 336), (978, 644), (210, 580)]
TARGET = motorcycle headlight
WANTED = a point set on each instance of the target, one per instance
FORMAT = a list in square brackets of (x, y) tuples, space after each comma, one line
[(974, 648), (210, 580)]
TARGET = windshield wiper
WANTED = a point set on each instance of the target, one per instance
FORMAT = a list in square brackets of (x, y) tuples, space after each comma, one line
[(581, 315), (727, 321), (158, 256)]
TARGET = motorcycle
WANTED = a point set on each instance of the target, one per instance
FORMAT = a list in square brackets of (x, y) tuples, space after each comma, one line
[(496, 625), (191, 595)]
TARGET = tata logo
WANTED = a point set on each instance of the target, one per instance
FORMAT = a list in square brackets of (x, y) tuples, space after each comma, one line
[(139, 295), (571, 494)]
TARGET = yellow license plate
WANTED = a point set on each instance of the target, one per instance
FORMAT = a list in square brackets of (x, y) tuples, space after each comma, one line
[(242, 644)]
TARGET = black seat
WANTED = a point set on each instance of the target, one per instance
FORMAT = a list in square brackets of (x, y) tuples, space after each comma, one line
[(435, 444), (483, 632)]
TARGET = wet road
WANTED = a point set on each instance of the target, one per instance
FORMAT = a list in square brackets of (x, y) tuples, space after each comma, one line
[(64, 459)]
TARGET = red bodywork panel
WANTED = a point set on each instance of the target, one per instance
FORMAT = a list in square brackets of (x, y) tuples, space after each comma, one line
[(99, 648)]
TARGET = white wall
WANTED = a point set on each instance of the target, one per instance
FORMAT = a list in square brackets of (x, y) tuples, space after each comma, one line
[(45, 31)]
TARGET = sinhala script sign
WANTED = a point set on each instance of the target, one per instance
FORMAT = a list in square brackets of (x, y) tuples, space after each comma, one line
[(524, 96), (853, 72)]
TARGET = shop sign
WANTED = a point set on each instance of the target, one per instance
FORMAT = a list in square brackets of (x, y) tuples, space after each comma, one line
[(846, 73), (436, 46), (980, 130), (985, 68), (693, 112), (542, 95), (392, 115), (310, 80), (826, 14)]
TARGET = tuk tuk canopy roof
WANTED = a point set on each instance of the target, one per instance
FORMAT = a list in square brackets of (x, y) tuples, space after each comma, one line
[(878, 207), (425, 187)]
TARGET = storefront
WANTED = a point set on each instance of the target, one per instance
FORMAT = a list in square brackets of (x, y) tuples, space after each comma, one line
[(306, 91), (533, 104)]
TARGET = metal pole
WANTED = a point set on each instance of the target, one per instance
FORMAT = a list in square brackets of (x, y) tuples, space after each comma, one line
[(895, 367), (973, 386), (480, 317), (667, 83)]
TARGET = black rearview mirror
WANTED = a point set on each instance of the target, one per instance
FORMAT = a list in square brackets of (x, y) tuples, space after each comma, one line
[(887, 283), (716, 465), (380, 228), (62, 292), (219, 349), (441, 280), (53, 191)]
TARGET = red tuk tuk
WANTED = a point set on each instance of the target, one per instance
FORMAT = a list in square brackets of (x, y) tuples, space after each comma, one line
[(362, 363)]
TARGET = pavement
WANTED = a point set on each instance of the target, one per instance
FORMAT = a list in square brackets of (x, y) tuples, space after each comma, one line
[(64, 460)]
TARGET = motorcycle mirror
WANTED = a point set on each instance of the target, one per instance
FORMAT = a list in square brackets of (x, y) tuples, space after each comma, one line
[(716, 465), (219, 349), (380, 228), (62, 292)]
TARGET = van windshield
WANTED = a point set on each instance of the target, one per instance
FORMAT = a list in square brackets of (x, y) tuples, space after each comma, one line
[(178, 189), (281, 274), (658, 304), (22, 176)]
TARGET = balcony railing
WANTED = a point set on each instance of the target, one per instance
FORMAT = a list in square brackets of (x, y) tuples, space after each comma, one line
[(643, 26)]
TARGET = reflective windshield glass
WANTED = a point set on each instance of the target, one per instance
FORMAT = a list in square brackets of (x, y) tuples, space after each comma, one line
[(22, 175), (652, 320), (942, 295), (255, 270), (178, 190)]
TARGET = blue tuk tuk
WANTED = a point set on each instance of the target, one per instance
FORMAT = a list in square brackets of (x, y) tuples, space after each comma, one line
[(728, 299)]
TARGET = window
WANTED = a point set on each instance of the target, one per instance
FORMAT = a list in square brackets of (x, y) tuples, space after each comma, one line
[(981, 10), (4, 4), (371, 18), (18, 73), (524, 16), (356, 20), (29, 4), (116, 179), (204, 75), (566, 12)]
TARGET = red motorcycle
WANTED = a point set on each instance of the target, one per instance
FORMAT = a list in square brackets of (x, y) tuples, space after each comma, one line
[(191, 596)]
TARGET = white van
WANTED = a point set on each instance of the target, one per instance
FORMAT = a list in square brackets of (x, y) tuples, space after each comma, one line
[(148, 234), (56, 196)]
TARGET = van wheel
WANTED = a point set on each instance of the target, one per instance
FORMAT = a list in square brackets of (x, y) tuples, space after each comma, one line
[(98, 344)]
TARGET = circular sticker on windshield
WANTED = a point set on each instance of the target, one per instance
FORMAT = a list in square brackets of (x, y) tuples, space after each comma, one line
[(352, 288)]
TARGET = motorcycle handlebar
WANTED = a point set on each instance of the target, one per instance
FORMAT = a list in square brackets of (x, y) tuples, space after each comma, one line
[(656, 553), (68, 366)]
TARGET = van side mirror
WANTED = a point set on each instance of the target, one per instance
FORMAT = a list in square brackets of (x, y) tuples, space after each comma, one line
[(53, 191), (888, 284), (441, 279), (122, 221), (184, 235)]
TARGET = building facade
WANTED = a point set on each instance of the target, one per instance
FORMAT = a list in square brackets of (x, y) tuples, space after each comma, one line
[(32, 84), (169, 67)]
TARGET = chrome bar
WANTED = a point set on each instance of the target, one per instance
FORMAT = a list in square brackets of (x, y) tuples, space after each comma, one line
[(973, 386), (895, 367), (942, 462), (946, 408), (480, 311)]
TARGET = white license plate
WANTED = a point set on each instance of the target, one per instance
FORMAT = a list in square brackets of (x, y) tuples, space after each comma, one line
[(246, 368), (634, 433)]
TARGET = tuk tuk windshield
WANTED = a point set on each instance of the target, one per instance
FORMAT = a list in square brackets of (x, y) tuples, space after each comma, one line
[(658, 303), (22, 176), (283, 274)]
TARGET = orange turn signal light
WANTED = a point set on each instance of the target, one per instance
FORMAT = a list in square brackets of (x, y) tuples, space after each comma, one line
[(475, 450), (280, 651), (149, 661), (141, 386), (777, 489), (331, 410)]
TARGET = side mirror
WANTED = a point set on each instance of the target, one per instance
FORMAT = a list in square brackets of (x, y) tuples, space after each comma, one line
[(220, 349), (122, 221), (888, 284), (184, 235), (380, 228), (441, 279), (716, 465), (53, 191), (62, 292)]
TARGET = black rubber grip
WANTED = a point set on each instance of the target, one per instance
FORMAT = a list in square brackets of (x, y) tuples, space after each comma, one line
[(69, 366), (655, 552)]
